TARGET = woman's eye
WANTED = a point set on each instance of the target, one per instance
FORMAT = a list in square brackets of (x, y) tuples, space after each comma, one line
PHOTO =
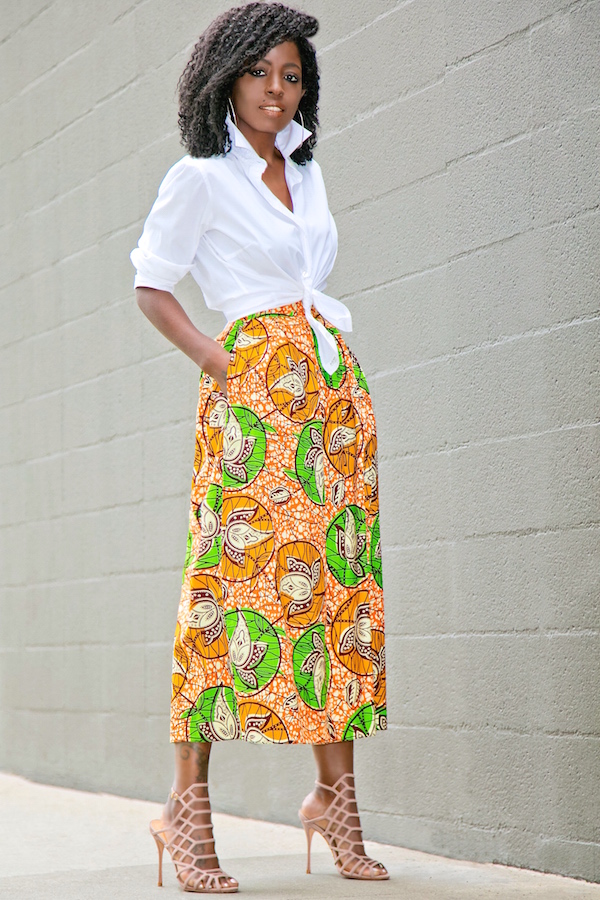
[(293, 78), (257, 71)]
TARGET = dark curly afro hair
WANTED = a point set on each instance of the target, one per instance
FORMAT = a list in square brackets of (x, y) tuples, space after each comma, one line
[(228, 48)]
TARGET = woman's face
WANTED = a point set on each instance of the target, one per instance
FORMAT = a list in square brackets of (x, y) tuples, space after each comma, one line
[(267, 97)]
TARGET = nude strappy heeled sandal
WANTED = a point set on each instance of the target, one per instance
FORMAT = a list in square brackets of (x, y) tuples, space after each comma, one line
[(337, 831), (182, 844)]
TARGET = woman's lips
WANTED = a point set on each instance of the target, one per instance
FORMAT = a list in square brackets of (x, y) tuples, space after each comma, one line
[(272, 110)]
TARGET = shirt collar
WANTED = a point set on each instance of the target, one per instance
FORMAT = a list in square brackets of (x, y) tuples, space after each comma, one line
[(286, 141)]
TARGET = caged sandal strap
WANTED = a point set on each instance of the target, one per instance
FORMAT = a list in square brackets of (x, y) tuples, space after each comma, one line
[(181, 840), (337, 832)]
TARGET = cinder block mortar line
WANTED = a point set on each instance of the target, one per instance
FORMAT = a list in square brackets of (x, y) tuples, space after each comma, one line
[(91, 513), (106, 99), (120, 504), (491, 441), (32, 85), (66, 257), (516, 632), (64, 389), (492, 535), (493, 730), (520, 136), (587, 212), (515, 36), (444, 820), (59, 134), (97, 105), (160, 570), (470, 349), (456, 821), (6, 527), (58, 454), (409, 94), (108, 645), (68, 450), (132, 8), (27, 22), (103, 307), (462, 825), (58, 197), (99, 171), (470, 155), (573, 5), (352, 34), (84, 580)]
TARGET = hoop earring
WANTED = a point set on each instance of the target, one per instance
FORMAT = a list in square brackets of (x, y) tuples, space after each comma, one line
[(231, 110), (299, 111)]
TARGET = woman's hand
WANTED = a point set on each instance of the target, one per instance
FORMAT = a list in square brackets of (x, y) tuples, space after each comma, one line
[(216, 363), (169, 317)]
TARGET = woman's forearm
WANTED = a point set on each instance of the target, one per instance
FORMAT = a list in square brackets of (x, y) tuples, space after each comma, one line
[(168, 316)]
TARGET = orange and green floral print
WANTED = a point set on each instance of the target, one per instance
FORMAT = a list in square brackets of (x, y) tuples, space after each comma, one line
[(280, 628)]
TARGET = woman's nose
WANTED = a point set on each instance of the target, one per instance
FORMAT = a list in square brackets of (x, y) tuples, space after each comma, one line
[(275, 85)]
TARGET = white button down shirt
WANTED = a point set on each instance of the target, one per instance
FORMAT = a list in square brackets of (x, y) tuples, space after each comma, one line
[(217, 219)]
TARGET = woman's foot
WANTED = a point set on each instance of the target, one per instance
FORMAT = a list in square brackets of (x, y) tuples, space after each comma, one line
[(190, 840), (315, 805)]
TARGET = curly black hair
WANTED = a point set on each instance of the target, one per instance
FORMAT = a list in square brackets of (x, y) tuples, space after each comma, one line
[(228, 48)]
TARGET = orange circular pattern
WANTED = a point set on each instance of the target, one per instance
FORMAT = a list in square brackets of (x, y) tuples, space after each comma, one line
[(292, 383), (342, 436), (261, 725), (379, 671), (214, 420), (206, 626), (248, 537), (250, 346), (198, 457), (371, 476), (300, 579), (351, 633), (181, 663)]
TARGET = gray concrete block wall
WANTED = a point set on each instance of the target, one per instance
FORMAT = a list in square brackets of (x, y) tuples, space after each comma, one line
[(460, 146)]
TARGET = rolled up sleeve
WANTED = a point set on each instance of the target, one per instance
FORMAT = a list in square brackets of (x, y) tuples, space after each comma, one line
[(172, 231)]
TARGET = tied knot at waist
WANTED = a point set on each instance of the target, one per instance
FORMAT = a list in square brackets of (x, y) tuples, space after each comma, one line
[(333, 311)]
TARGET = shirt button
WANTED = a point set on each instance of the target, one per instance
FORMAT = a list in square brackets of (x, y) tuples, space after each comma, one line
[(305, 274)]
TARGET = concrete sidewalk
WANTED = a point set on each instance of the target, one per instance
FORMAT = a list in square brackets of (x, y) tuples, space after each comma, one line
[(58, 844)]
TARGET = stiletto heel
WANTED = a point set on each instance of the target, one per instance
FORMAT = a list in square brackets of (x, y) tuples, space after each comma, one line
[(308, 832), (160, 846), (337, 831), (180, 839)]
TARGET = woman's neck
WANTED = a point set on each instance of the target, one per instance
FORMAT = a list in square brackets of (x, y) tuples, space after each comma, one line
[(263, 142)]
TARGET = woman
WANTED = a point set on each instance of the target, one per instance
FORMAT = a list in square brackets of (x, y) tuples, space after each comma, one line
[(280, 629)]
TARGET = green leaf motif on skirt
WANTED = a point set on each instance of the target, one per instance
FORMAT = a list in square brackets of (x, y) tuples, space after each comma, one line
[(244, 446), (312, 668), (346, 546), (310, 460), (209, 515), (361, 723), (214, 715), (254, 649), (375, 552)]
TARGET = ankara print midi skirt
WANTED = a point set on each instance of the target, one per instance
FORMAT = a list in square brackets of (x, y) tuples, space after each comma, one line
[(280, 627)]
